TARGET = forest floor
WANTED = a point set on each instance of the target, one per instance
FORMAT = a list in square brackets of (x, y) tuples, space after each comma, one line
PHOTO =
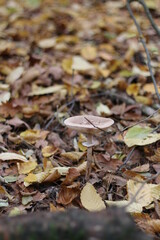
[(65, 58)]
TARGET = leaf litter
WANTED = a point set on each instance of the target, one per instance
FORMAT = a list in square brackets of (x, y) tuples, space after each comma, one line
[(63, 62)]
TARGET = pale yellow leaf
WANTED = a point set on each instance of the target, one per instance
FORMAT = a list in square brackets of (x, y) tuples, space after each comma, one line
[(12, 156), (47, 43), (89, 53), (90, 199), (4, 97), (102, 109), (148, 193), (46, 90), (15, 75), (81, 64), (132, 208)]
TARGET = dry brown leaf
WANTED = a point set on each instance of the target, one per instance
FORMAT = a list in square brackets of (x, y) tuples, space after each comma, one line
[(67, 195), (72, 174), (90, 199)]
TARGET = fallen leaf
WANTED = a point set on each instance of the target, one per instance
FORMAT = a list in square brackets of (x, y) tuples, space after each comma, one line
[(15, 75), (3, 203), (73, 156), (132, 208), (26, 199), (49, 151), (4, 97), (103, 110), (12, 156), (146, 196), (67, 195), (47, 43), (90, 199), (81, 64), (89, 53), (25, 168), (140, 136), (31, 136), (48, 90)]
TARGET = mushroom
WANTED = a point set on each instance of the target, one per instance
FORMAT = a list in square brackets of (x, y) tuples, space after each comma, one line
[(89, 125)]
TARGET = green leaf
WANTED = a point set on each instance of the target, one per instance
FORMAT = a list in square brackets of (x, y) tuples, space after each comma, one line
[(26, 200), (140, 136), (10, 179)]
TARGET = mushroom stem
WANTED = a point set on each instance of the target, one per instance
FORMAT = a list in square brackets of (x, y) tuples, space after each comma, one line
[(89, 156)]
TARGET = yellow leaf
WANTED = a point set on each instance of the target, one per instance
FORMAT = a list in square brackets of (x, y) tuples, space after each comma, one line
[(133, 89), (102, 109), (90, 199), (81, 64), (49, 151), (47, 90), (67, 65), (25, 168), (47, 43), (15, 75), (32, 136), (143, 100), (89, 53), (149, 87), (148, 193), (30, 178), (12, 156), (4, 97), (132, 208)]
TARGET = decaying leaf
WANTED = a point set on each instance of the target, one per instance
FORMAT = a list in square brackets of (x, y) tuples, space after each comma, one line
[(90, 199), (140, 136), (67, 195)]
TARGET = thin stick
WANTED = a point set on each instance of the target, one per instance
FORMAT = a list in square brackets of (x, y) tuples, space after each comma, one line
[(141, 38)]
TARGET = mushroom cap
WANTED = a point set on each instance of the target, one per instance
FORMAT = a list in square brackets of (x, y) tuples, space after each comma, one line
[(94, 124)]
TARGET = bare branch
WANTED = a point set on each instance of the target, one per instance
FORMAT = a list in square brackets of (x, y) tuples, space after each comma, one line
[(141, 38)]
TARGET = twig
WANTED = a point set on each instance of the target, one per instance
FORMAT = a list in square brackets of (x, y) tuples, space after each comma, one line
[(143, 120), (127, 159), (128, 100), (148, 14), (95, 126), (141, 38)]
